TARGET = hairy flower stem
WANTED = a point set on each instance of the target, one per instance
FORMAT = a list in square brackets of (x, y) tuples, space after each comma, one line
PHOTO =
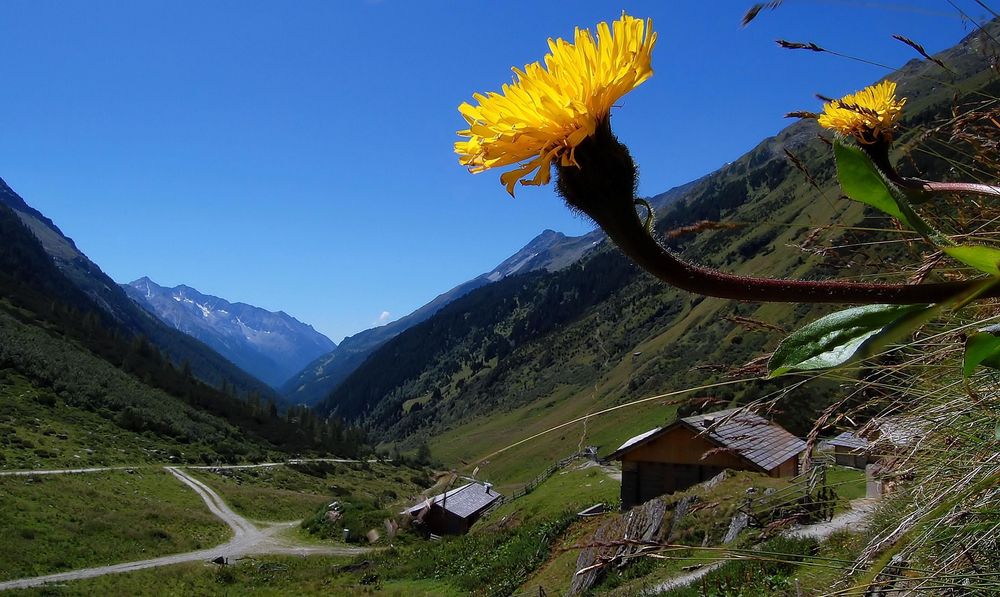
[(627, 232), (879, 154), (603, 187), (954, 187)]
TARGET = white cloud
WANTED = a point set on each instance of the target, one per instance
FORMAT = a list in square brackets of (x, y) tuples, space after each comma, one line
[(383, 318)]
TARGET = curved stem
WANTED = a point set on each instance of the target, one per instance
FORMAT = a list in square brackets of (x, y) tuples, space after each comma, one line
[(879, 155), (929, 186), (603, 186), (625, 229)]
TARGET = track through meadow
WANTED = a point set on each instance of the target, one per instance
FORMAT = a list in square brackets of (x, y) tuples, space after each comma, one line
[(247, 539)]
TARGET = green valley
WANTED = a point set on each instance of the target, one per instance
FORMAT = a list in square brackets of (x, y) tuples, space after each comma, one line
[(135, 460)]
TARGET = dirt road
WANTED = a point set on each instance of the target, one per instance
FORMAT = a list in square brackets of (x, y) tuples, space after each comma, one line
[(856, 518), (63, 471), (247, 539), (99, 469)]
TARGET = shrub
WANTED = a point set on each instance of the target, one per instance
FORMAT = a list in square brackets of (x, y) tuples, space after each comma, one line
[(358, 515), (422, 481), (493, 563)]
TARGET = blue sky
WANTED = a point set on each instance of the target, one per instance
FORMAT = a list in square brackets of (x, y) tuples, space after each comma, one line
[(298, 155)]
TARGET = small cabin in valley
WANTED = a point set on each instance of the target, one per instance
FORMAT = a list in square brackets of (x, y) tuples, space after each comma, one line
[(851, 450), (695, 449), (454, 511)]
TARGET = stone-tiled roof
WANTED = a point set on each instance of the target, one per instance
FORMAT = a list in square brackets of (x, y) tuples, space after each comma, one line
[(760, 441), (848, 440), (637, 439), (463, 501), (753, 437)]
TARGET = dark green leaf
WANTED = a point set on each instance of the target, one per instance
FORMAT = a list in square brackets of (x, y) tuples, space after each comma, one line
[(861, 181), (982, 348), (845, 336)]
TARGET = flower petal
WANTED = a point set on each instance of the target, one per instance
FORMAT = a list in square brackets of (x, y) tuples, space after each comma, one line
[(554, 105)]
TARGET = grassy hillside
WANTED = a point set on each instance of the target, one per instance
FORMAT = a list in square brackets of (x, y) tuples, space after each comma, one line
[(45, 374), (94, 288), (57, 340), (39, 429), (53, 523), (266, 576)]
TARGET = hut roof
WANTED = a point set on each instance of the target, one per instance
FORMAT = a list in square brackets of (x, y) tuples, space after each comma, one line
[(847, 439), (463, 501), (753, 437)]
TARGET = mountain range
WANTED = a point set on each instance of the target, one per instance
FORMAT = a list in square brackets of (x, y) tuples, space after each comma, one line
[(78, 365), (205, 363), (272, 346)]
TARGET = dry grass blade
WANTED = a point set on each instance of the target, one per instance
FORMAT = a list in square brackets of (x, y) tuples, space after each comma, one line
[(754, 11), (801, 167), (930, 262), (920, 50), (803, 114), (755, 324), (976, 132), (794, 45), (754, 368)]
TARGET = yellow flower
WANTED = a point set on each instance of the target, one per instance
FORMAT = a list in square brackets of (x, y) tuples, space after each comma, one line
[(868, 115), (549, 110)]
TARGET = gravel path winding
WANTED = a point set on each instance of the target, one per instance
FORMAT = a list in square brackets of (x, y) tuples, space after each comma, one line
[(856, 517), (64, 471), (98, 469), (247, 539)]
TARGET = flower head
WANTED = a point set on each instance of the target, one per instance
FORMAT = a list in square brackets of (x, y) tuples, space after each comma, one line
[(550, 109), (868, 115)]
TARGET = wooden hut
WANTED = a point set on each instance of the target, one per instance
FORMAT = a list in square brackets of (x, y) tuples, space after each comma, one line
[(851, 450), (454, 511), (695, 449)]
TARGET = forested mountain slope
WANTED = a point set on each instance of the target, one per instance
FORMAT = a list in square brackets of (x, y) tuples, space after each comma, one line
[(70, 351), (550, 251), (533, 351), (205, 363)]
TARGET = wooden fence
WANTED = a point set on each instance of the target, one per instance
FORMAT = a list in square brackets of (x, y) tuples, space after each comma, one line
[(538, 480), (809, 498)]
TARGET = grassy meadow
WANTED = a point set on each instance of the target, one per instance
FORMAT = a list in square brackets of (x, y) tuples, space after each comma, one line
[(266, 576), (54, 523), (572, 489), (294, 492)]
